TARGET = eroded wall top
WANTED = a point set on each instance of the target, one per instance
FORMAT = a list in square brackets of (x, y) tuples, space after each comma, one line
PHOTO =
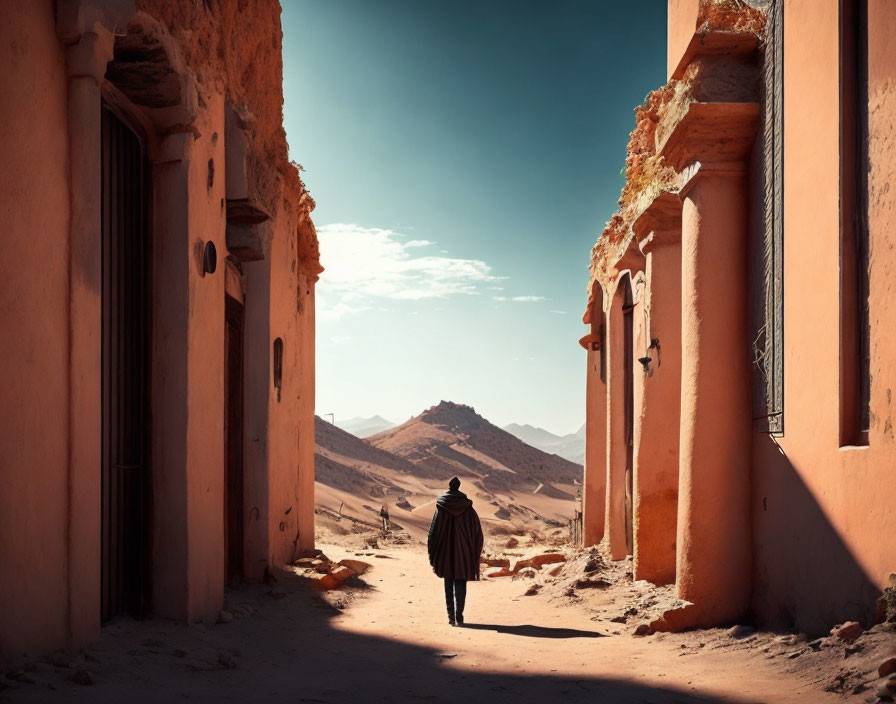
[(235, 46), (711, 74)]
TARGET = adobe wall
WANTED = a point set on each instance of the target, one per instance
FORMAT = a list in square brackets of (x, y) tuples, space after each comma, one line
[(657, 420), (49, 391), (823, 515), (305, 418), (205, 371), (258, 389), (188, 370), (237, 47), (681, 22), (34, 317), (279, 431), (594, 490)]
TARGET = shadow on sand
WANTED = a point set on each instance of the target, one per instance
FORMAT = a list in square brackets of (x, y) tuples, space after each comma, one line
[(295, 650), (531, 631)]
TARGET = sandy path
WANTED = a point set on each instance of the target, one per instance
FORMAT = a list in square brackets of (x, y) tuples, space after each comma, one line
[(392, 644)]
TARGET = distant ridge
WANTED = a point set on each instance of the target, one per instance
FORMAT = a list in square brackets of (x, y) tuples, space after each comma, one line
[(364, 427), (571, 447)]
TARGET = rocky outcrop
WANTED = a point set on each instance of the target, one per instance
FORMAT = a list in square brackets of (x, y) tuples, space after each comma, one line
[(452, 439), (324, 574)]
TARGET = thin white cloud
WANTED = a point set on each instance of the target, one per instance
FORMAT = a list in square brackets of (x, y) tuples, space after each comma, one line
[(520, 299), (364, 266), (558, 312)]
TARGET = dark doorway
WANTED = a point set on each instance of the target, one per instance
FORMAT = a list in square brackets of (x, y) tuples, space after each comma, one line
[(629, 407), (125, 369), (233, 433)]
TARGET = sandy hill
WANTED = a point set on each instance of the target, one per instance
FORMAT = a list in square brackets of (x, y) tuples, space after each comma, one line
[(515, 488), (344, 461), (452, 439)]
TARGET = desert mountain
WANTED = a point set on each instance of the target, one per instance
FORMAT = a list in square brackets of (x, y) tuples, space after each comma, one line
[(344, 461), (514, 487), (452, 439), (364, 427), (570, 447)]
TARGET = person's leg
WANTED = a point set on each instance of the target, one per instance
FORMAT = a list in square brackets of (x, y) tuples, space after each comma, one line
[(460, 591), (449, 599)]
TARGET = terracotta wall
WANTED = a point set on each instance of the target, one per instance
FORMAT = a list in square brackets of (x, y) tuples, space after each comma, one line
[(657, 419), (279, 471), (205, 372), (824, 514), (187, 376), (305, 419), (288, 494), (258, 385), (681, 22), (49, 504), (34, 318)]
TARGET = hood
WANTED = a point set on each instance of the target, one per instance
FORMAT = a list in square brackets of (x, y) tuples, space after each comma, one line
[(454, 502)]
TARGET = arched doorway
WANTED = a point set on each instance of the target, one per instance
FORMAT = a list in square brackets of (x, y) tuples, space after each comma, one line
[(628, 407)]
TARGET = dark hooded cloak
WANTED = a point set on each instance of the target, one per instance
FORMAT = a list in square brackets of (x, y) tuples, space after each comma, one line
[(455, 537)]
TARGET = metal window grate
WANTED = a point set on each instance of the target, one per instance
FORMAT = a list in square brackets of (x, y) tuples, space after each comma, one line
[(768, 332)]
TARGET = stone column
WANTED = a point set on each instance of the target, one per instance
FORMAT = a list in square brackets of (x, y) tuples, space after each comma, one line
[(713, 563), (657, 409), (171, 312), (710, 144), (595, 479), (86, 65)]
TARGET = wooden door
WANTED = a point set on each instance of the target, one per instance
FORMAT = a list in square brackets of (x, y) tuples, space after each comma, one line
[(233, 428), (125, 370)]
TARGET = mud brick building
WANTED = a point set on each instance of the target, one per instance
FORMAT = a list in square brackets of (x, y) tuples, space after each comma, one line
[(157, 314), (742, 342)]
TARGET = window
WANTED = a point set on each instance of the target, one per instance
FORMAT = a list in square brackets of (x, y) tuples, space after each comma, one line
[(855, 368), (768, 318)]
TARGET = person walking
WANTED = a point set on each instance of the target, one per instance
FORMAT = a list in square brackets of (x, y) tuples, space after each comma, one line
[(455, 545)]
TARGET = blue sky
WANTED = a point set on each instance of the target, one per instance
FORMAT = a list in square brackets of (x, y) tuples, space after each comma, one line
[(464, 156)]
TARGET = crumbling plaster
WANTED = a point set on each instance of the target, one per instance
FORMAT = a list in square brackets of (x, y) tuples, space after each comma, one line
[(235, 48), (712, 78)]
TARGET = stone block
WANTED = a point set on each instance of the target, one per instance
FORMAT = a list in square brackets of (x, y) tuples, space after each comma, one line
[(848, 632), (356, 566)]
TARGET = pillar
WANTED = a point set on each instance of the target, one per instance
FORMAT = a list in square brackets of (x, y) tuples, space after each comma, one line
[(713, 568), (86, 61), (595, 480), (170, 320), (658, 394)]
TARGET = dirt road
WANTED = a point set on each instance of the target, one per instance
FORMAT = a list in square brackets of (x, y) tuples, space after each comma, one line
[(390, 642)]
